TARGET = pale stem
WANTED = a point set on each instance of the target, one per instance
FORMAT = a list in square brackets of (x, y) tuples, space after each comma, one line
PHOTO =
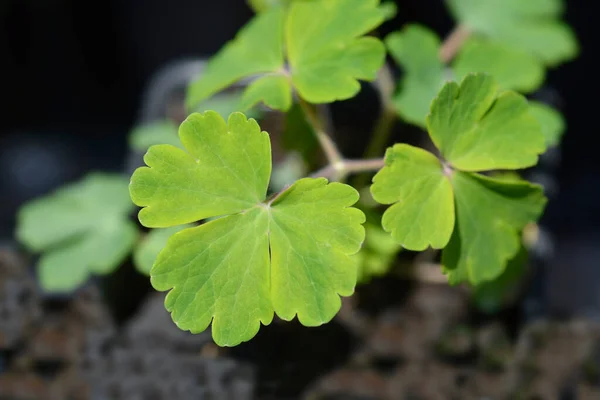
[(329, 148), (345, 167), (453, 43), (383, 126)]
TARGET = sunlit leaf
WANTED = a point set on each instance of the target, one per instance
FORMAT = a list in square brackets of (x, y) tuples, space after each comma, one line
[(414, 181), (490, 215), (324, 45), (476, 128), (289, 255)]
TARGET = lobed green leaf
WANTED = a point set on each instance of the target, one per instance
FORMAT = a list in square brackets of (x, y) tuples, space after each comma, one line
[(477, 129), (322, 41), (256, 49), (414, 181), (532, 25), (490, 214), (443, 204), (80, 230), (224, 169), (416, 48), (289, 255), (512, 69)]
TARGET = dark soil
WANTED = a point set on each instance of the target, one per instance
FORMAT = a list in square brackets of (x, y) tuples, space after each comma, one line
[(392, 340)]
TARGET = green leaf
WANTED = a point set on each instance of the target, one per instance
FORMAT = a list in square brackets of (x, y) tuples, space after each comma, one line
[(511, 68), (225, 170), (159, 132), (81, 229), (289, 255), (490, 214), (443, 204), (552, 122), (478, 129), (378, 251), (274, 90), (323, 42), (490, 297), (257, 48), (416, 49), (326, 52), (147, 250), (225, 103), (422, 214), (532, 25)]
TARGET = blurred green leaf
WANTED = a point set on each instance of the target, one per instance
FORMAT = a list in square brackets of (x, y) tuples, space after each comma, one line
[(532, 25), (151, 245), (80, 230), (552, 122), (512, 68)]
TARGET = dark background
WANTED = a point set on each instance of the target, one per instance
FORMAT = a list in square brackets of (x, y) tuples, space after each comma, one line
[(73, 74)]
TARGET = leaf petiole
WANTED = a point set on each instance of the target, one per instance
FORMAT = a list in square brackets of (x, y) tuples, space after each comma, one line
[(453, 43)]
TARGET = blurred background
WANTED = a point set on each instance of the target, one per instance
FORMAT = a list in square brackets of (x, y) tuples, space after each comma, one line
[(73, 77)]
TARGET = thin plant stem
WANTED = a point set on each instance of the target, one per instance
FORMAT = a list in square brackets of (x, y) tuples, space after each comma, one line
[(327, 144), (385, 121), (345, 167), (453, 43)]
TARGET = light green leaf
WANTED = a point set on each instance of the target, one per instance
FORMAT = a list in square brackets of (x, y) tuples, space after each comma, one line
[(378, 252), (326, 52), (416, 49), (389, 9), (290, 254), (274, 90), (159, 132), (257, 48), (552, 122), (226, 103), (531, 25), (147, 250), (490, 215), (219, 272), (443, 204), (512, 68), (414, 181), (313, 233), (323, 42), (81, 229), (225, 170), (478, 129), (553, 42)]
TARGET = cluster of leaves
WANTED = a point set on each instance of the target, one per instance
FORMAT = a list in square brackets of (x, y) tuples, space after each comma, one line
[(447, 204), (232, 254), (514, 41)]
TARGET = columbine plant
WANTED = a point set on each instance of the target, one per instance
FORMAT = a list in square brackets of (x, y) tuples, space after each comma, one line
[(235, 254)]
